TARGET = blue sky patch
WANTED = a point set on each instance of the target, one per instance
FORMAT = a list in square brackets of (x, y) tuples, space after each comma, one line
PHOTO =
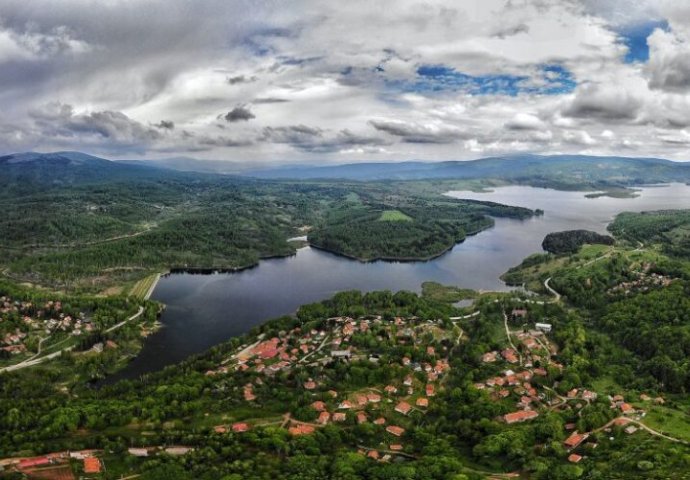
[(635, 38), (551, 79)]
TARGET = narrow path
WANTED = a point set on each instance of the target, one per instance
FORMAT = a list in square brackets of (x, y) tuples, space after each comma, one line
[(133, 317), (465, 317), (551, 290), (510, 340)]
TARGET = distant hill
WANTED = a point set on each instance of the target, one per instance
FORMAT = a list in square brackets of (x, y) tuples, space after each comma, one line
[(564, 169), (21, 170)]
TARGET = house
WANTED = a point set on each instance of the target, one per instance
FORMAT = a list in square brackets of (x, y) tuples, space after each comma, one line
[(519, 417), (574, 458), (92, 465), (240, 427), (219, 429), (519, 313), (403, 407), (324, 417), (544, 327), (575, 439), (310, 385), (390, 389), (34, 462), (627, 409), (380, 421), (589, 395), (301, 429), (373, 397), (396, 447), (138, 452), (319, 406), (422, 402), (373, 454), (361, 417), (345, 405), (509, 355), (177, 451), (489, 357), (408, 381), (630, 429), (339, 417), (345, 354), (395, 430)]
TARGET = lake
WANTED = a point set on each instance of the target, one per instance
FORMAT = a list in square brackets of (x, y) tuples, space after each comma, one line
[(204, 310)]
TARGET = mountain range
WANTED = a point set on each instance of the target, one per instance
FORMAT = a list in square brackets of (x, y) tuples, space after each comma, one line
[(62, 168)]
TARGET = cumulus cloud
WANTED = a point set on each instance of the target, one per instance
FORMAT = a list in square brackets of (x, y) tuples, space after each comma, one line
[(239, 114), (60, 121), (525, 121), (606, 103), (412, 132), (355, 81), (165, 125)]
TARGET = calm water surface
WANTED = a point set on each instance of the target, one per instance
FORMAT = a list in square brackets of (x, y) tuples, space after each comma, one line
[(204, 310)]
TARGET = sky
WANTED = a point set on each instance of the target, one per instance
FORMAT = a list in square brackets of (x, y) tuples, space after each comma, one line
[(322, 82)]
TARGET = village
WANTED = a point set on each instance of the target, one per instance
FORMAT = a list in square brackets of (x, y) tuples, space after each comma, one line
[(25, 325), (521, 381), (390, 406)]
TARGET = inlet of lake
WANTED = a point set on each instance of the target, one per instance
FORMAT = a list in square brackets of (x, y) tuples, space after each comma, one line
[(204, 310)]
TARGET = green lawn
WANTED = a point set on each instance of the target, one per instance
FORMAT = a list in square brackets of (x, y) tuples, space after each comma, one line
[(670, 421), (394, 216)]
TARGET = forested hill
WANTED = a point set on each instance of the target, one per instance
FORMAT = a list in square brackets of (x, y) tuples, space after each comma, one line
[(19, 172), (571, 241), (563, 170)]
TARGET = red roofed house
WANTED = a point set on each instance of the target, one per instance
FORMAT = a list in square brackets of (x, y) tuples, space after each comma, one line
[(430, 390), (374, 397), (518, 417), (319, 406), (396, 447), (422, 402), (324, 417), (92, 465), (301, 430), (394, 430), (361, 417), (34, 462), (390, 389), (310, 385), (240, 427), (575, 439), (403, 407), (380, 421), (339, 417), (574, 458)]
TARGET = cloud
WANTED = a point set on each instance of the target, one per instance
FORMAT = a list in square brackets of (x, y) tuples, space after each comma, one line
[(412, 132), (610, 103), (239, 114), (669, 62), (60, 121), (525, 121), (165, 125), (240, 79), (504, 32)]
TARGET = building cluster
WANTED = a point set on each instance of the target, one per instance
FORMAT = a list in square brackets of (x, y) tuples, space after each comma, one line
[(21, 320), (392, 406)]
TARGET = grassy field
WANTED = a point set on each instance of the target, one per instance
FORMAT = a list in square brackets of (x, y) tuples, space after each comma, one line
[(142, 287), (669, 420), (394, 216)]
